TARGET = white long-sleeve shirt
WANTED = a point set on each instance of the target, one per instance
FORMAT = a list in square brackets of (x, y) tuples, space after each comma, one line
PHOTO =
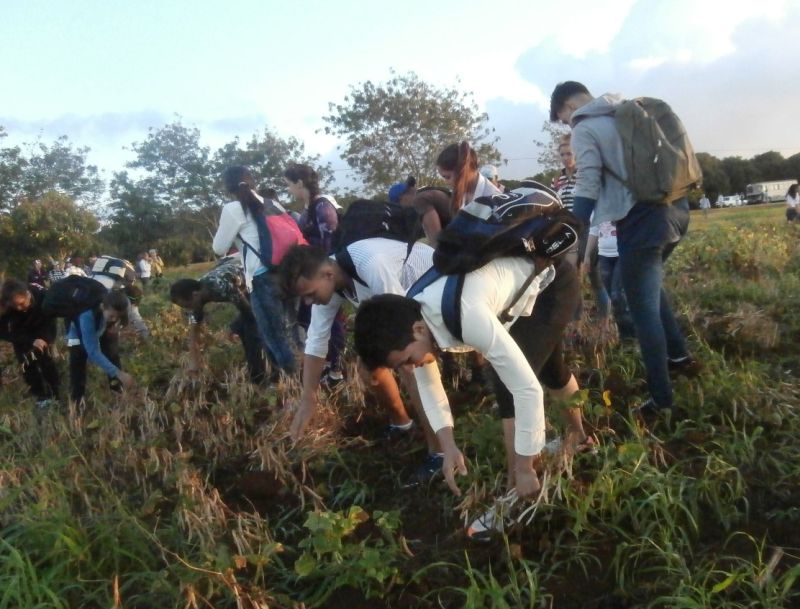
[(235, 225), (486, 293), (382, 266)]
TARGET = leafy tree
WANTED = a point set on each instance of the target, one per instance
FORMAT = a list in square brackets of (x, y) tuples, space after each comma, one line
[(548, 156), (715, 180), (740, 172), (268, 155), (399, 127), (769, 166), (47, 167), (54, 225)]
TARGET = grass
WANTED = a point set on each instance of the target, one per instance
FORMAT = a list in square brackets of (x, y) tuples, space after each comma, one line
[(186, 493)]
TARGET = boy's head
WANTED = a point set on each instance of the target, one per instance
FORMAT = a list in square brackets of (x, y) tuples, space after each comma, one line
[(15, 295), (566, 98), (183, 292), (307, 271), (390, 332), (115, 308)]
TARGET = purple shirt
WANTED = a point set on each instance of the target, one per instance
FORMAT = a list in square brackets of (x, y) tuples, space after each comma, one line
[(319, 222)]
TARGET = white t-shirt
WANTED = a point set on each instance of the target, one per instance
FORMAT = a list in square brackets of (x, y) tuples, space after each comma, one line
[(606, 233), (144, 269), (235, 225), (486, 293), (382, 266), (793, 201)]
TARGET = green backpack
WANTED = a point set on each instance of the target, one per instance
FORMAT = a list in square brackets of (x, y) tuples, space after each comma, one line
[(658, 155)]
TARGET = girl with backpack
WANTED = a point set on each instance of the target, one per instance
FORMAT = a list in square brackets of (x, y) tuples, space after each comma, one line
[(244, 223), (458, 166), (94, 336), (319, 223)]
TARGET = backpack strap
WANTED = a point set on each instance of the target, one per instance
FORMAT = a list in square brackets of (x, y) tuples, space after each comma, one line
[(345, 262), (451, 297), (539, 265)]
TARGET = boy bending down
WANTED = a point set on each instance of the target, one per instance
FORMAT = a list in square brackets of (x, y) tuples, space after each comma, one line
[(401, 332)]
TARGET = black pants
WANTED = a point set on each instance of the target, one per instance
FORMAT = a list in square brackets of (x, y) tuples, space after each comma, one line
[(245, 327), (539, 335), (39, 371), (109, 345)]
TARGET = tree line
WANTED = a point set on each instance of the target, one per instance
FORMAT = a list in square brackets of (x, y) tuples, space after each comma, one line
[(53, 202)]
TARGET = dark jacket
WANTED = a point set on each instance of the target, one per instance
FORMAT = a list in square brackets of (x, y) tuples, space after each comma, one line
[(22, 328)]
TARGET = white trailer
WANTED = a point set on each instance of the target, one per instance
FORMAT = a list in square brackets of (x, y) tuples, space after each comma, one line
[(766, 192)]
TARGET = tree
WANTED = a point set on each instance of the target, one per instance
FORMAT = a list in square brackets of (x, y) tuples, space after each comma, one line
[(47, 167), (740, 172), (268, 155), (398, 128), (549, 158), (54, 225), (715, 180), (769, 166)]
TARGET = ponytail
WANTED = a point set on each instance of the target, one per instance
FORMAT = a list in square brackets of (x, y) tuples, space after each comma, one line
[(462, 160), (238, 181)]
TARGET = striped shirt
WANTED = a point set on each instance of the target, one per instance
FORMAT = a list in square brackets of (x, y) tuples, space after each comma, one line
[(381, 264), (564, 185)]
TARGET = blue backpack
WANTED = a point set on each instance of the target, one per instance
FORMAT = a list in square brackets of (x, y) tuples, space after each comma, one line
[(529, 221)]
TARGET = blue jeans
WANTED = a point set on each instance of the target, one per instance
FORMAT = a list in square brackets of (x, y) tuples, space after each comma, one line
[(646, 238), (611, 276), (271, 321)]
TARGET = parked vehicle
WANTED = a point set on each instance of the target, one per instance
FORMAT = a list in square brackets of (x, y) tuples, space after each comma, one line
[(766, 192), (730, 201)]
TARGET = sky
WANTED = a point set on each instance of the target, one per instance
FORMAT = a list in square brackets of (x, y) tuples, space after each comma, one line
[(104, 72)]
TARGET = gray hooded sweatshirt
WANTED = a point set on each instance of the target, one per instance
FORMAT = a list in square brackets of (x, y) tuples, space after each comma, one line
[(596, 144)]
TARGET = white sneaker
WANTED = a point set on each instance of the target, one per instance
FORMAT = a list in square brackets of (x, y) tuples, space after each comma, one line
[(492, 520)]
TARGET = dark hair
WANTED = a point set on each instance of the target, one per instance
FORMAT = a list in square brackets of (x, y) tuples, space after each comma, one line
[(183, 289), (463, 161), (792, 192), (296, 171), (383, 324), (560, 95), (300, 261), (269, 193), (11, 288), (133, 292), (239, 181), (117, 300)]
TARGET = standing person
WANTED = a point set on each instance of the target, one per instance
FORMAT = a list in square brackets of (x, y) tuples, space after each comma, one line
[(318, 222), (224, 283), (244, 223), (75, 266), (32, 335), (56, 272), (564, 182), (401, 332), (705, 204), (156, 264), (647, 233), (37, 275), (602, 249), (94, 336), (792, 203), (433, 207), (144, 269)]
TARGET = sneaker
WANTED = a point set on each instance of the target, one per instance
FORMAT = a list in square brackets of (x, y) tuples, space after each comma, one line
[(687, 366), (493, 520), (46, 403), (331, 378), (431, 468), (396, 432), (650, 412)]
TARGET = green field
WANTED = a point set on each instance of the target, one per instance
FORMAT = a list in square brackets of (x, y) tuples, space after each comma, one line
[(186, 493)]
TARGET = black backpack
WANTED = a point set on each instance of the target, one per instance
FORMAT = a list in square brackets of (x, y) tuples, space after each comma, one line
[(71, 296), (529, 221), (366, 219)]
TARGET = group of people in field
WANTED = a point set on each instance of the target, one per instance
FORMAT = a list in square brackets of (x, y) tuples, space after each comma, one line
[(512, 312)]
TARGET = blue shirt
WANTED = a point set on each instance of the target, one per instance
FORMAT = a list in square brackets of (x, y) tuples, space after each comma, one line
[(89, 328)]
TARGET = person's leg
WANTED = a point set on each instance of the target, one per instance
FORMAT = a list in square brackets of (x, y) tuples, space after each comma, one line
[(337, 343), (28, 359), (642, 276), (77, 372), (245, 327), (612, 280), (676, 343), (270, 319), (52, 381), (601, 295)]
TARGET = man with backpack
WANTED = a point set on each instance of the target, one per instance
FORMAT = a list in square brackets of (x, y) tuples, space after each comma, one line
[(537, 303), (635, 167), (32, 335), (362, 269)]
